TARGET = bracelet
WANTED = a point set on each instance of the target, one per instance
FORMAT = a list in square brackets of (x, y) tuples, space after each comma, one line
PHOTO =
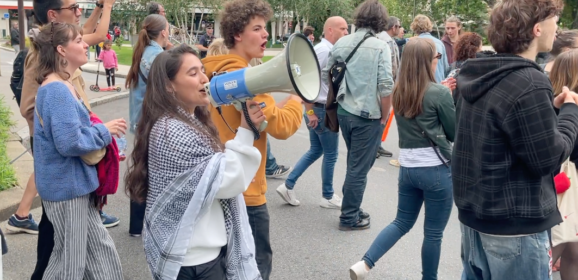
[(100, 5)]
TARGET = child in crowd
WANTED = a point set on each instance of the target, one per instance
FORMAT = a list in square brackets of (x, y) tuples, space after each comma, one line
[(110, 61)]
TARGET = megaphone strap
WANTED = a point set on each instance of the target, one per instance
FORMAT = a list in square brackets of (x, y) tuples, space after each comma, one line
[(256, 132)]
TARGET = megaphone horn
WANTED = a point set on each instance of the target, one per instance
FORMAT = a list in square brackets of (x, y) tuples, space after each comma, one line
[(294, 71)]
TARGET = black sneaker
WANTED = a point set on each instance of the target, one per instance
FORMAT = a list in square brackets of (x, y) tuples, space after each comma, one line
[(281, 171), (383, 152), (360, 225), (364, 215)]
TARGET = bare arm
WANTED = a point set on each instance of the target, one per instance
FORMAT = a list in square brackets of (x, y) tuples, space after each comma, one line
[(385, 108), (102, 29), (91, 22)]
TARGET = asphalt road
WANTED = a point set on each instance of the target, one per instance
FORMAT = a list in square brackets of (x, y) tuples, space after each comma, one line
[(306, 241)]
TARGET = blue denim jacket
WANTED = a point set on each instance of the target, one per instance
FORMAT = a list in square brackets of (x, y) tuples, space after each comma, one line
[(368, 77), (443, 67), (136, 94)]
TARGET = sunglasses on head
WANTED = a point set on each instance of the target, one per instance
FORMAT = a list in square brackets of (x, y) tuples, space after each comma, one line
[(72, 8)]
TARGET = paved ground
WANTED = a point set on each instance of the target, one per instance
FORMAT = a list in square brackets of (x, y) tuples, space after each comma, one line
[(305, 239)]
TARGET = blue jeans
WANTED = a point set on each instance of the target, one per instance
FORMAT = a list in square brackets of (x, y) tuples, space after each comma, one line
[(323, 142), (431, 186), (271, 164), (360, 137), (501, 257)]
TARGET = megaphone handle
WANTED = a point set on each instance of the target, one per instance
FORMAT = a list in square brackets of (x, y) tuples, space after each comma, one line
[(256, 132)]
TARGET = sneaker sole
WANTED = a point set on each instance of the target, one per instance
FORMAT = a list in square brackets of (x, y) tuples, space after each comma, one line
[(112, 224), (14, 229), (331, 206), (286, 199), (272, 176), (352, 274), (342, 228)]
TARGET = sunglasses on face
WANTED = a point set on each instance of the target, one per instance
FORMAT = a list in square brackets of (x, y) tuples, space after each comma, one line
[(72, 8), (438, 56)]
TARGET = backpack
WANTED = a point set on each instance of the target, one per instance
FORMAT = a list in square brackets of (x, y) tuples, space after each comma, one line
[(17, 77)]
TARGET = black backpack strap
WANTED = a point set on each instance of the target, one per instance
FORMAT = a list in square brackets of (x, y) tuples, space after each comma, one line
[(367, 35), (142, 76)]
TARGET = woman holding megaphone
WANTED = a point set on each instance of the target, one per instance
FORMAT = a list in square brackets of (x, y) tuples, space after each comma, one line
[(192, 184)]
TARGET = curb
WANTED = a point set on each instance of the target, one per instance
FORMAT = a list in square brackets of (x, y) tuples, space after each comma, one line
[(6, 48), (120, 75), (11, 198)]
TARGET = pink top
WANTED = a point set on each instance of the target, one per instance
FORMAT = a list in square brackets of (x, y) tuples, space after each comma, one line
[(109, 59)]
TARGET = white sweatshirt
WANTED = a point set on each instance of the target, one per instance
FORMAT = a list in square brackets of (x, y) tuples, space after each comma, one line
[(209, 236)]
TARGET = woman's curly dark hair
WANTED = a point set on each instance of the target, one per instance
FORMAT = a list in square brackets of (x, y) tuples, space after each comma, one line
[(371, 14), (237, 14), (467, 46)]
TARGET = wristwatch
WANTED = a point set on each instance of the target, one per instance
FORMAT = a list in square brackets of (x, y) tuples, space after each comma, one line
[(310, 112), (100, 5)]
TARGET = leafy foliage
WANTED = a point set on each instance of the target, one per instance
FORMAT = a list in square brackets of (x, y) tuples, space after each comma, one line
[(7, 173)]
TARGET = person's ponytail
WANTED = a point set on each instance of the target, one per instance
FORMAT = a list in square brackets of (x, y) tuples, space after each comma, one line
[(152, 27)]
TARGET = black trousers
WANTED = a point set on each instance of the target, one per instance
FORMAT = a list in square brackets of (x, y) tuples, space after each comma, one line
[(110, 76), (259, 221), (213, 270), (44, 246), (137, 213)]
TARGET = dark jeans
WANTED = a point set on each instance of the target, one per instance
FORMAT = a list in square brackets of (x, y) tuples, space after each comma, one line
[(259, 221), (97, 51), (137, 213), (431, 186), (44, 246), (271, 164), (361, 136), (213, 270)]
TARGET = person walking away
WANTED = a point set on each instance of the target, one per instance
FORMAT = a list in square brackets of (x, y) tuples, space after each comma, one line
[(196, 221), (422, 26), (153, 36), (82, 246), (364, 103), (323, 142), (110, 63), (453, 28), (563, 73), (565, 40), (504, 157), (467, 47), (243, 27), (393, 29), (422, 108), (15, 37)]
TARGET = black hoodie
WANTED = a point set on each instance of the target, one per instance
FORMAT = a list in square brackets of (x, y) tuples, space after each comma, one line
[(509, 145)]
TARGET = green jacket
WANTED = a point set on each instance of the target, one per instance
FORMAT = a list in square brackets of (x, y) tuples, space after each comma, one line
[(438, 121)]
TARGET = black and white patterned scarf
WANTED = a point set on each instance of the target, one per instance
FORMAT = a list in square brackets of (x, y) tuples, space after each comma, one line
[(173, 210)]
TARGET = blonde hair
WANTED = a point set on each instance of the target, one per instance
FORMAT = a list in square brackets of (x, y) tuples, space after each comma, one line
[(217, 47), (565, 72), (255, 61), (421, 24), (417, 57)]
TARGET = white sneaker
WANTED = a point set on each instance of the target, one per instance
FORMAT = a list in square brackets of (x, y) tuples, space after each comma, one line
[(333, 203), (358, 271), (288, 195)]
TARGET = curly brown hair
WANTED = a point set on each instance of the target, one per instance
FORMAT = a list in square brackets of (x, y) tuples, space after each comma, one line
[(467, 46), (237, 14), (371, 14), (512, 22)]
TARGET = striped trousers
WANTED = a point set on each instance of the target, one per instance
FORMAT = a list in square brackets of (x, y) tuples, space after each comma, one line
[(82, 247)]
